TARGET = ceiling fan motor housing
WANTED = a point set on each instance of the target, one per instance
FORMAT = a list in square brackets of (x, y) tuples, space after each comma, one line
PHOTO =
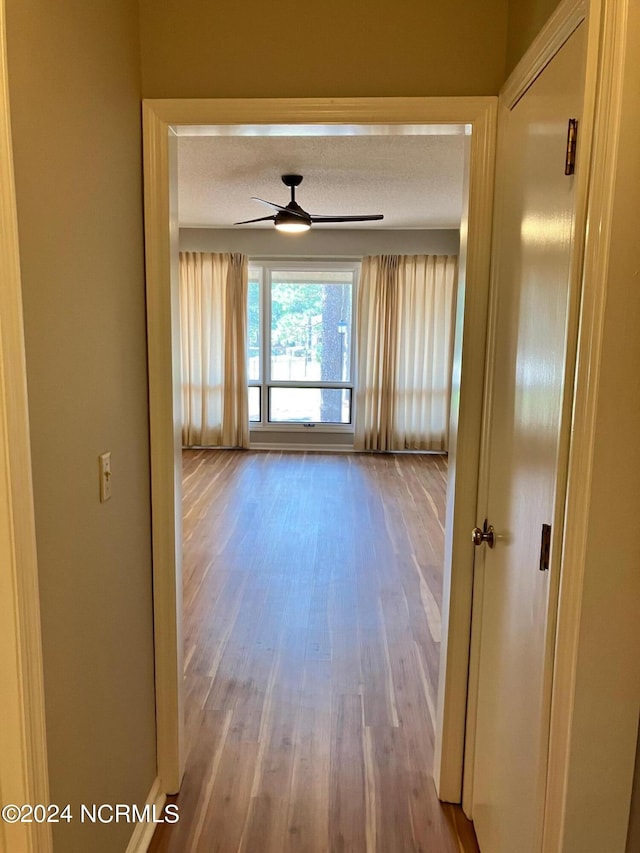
[(294, 213)]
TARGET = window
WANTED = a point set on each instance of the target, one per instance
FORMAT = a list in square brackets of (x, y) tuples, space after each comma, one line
[(300, 359), (254, 360)]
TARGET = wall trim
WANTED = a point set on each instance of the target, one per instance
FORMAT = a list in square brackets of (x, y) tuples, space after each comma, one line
[(144, 830), (163, 336), (161, 117), (234, 111), (474, 260), (24, 774), (605, 83), (308, 448)]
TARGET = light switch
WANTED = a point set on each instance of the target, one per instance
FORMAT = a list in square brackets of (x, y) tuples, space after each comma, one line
[(104, 461)]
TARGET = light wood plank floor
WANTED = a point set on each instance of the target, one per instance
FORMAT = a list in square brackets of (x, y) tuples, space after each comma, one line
[(312, 589)]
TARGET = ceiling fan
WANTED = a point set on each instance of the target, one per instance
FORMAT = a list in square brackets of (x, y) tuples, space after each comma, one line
[(293, 218)]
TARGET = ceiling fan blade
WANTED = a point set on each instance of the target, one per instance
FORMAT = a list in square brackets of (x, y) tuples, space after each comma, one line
[(368, 218), (260, 219), (296, 210), (270, 203)]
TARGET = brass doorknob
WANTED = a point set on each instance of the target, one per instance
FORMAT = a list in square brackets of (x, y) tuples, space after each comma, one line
[(485, 535)]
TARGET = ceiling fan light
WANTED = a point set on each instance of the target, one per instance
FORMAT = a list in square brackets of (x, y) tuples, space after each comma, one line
[(290, 223), (292, 227)]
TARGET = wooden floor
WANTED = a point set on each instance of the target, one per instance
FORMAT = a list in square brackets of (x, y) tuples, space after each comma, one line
[(312, 586)]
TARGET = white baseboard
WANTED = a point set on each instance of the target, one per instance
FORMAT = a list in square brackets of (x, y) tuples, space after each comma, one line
[(143, 832), (323, 448)]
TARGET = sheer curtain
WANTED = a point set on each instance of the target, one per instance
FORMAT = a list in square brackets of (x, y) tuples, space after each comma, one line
[(404, 344), (213, 325)]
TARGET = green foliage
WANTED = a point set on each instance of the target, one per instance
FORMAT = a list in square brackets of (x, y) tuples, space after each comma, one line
[(304, 317), (295, 312), (253, 331)]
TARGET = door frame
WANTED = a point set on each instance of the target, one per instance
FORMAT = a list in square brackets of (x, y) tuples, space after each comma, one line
[(596, 682), (24, 774), (573, 817), (563, 23), (160, 117)]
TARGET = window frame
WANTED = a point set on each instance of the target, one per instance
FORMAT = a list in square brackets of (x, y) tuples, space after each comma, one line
[(265, 267)]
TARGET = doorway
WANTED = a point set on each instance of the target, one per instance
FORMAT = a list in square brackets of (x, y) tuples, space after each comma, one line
[(161, 120)]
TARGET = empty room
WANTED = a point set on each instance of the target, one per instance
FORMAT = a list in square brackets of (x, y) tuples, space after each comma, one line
[(316, 363)]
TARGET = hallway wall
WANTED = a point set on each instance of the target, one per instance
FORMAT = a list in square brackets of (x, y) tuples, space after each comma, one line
[(75, 86), (253, 49), (75, 106), (525, 20)]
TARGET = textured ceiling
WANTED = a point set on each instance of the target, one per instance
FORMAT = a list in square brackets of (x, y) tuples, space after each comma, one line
[(414, 180)]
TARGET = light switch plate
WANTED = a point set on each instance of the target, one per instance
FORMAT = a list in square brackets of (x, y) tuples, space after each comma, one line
[(104, 461)]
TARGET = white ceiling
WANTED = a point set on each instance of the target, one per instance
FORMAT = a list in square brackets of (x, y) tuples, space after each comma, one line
[(414, 180)]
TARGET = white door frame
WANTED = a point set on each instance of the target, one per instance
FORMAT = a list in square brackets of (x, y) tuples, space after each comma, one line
[(575, 817), (160, 118), (23, 746), (596, 682)]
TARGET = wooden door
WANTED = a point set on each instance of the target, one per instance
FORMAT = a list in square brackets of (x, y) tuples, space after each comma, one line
[(533, 250)]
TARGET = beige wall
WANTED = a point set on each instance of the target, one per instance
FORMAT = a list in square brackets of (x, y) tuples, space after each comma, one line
[(75, 91), (627, 281), (633, 837), (526, 19), (349, 242), (288, 48)]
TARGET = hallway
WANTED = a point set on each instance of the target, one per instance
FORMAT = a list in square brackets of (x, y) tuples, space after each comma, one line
[(312, 587)]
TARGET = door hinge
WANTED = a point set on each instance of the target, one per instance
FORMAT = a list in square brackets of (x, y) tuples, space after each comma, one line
[(545, 547), (572, 137)]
